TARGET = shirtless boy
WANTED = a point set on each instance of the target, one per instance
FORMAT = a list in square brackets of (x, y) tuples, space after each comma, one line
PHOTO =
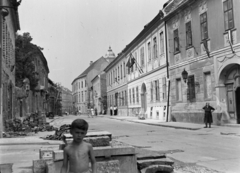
[(78, 153)]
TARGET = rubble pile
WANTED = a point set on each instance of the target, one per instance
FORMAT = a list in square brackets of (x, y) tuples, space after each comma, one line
[(59, 133), (23, 126)]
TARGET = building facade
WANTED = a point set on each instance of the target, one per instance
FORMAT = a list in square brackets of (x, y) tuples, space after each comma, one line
[(100, 93), (141, 89), (36, 100), (204, 44), (66, 100), (83, 96), (9, 25)]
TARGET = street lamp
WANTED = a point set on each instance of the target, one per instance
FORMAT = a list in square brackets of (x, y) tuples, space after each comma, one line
[(184, 75)]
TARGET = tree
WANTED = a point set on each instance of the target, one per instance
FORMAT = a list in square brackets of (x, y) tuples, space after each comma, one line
[(25, 67)]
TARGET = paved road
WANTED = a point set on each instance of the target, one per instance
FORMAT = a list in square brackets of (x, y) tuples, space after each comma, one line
[(202, 150), (204, 147)]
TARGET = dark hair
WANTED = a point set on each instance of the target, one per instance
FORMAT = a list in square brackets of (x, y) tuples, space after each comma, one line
[(79, 124)]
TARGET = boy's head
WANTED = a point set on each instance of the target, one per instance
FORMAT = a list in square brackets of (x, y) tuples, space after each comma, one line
[(79, 124), (78, 129)]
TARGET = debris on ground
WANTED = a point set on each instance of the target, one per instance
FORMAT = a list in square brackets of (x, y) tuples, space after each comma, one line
[(25, 126), (59, 133)]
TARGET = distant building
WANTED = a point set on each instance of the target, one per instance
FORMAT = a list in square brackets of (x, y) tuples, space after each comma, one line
[(66, 100), (82, 86), (100, 93)]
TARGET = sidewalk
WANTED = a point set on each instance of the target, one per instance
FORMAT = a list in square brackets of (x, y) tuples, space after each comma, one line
[(227, 128)]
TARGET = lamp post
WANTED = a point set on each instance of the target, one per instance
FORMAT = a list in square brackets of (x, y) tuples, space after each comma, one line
[(184, 75)]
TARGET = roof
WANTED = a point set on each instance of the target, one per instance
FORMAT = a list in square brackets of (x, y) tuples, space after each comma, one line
[(147, 29), (85, 72)]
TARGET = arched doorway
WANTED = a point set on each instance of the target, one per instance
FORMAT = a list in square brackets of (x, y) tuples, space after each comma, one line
[(144, 97), (229, 78)]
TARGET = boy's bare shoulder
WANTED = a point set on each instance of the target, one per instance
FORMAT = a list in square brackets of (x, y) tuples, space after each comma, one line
[(87, 144)]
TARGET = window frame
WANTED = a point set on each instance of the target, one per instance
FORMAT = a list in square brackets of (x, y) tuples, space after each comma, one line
[(161, 43), (225, 11), (189, 41), (178, 92), (176, 45), (204, 30)]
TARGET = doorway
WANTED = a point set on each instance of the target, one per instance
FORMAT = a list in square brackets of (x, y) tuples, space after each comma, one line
[(144, 97), (237, 93)]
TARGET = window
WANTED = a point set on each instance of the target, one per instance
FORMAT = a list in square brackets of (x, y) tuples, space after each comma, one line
[(142, 56), (204, 27), (130, 96), (149, 52), (124, 70), (176, 41), (228, 14), (82, 84), (207, 85), (79, 98), (188, 34), (79, 85), (137, 95), (123, 98), (133, 93), (191, 88), (164, 88), (155, 47), (161, 43), (118, 74), (178, 90), (126, 97), (121, 72), (136, 61), (85, 83), (151, 91), (82, 96), (157, 90)]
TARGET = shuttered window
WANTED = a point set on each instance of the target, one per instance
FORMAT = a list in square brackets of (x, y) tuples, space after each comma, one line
[(191, 88)]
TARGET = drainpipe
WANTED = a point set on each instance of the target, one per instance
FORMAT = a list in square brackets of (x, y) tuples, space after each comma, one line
[(167, 70), (1, 112)]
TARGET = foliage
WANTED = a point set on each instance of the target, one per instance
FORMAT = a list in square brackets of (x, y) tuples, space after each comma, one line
[(25, 67)]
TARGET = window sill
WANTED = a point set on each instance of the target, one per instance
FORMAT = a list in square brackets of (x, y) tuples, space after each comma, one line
[(189, 47), (177, 52), (207, 39), (232, 29)]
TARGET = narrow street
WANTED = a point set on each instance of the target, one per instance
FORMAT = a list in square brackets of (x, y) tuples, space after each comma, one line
[(205, 147), (204, 150)]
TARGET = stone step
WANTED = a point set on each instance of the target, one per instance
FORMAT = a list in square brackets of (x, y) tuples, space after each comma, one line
[(92, 134)]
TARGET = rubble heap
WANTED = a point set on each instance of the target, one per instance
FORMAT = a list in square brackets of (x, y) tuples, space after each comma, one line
[(21, 127), (59, 133)]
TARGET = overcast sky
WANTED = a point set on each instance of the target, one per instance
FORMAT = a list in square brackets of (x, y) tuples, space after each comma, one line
[(75, 32)]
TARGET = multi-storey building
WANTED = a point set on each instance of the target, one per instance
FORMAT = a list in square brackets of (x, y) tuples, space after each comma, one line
[(82, 85), (9, 25), (141, 88), (100, 93), (66, 100), (203, 44)]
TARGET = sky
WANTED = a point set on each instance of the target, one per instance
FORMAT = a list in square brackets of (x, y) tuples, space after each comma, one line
[(75, 32)]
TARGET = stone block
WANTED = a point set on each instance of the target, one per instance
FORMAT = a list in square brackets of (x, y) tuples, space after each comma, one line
[(158, 168), (108, 167), (57, 155), (6, 168), (50, 167), (92, 134), (95, 141), (45, 154), (98, 141), (39, 166), (146, 163)]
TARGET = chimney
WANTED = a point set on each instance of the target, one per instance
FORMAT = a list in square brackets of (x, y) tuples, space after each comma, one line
[(91, 63)]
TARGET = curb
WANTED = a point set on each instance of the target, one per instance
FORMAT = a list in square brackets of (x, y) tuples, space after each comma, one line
[(155, 124)]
